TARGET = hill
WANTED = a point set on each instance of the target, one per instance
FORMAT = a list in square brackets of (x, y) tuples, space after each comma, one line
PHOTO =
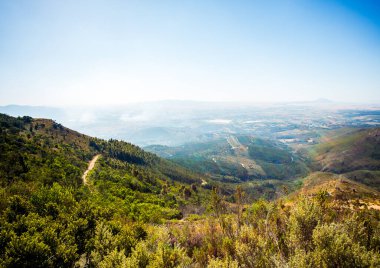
[(41, 168), (340, 189), (353, 152), (44, 152)]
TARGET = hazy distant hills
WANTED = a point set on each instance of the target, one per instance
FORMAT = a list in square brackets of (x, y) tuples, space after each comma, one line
[(175, 123), (33, 111)]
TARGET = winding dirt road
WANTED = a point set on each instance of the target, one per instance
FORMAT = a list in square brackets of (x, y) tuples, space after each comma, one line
[(91, 165)]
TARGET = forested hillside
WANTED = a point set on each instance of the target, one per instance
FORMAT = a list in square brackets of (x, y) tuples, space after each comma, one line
[(261, 167), (237, 159), (138, 210), (49, 217)]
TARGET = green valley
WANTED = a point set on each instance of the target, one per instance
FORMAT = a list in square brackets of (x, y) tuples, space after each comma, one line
[(70, 200)]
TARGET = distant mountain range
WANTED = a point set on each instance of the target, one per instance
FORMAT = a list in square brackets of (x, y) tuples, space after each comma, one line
[(175, 123)]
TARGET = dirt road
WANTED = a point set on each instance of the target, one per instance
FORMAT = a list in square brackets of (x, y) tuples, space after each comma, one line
[(91, 165)]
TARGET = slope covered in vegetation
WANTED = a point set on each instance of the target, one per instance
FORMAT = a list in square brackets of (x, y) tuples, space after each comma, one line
[(49, 217), (343, 191), (128, 213), (355, 153), (237, 159)]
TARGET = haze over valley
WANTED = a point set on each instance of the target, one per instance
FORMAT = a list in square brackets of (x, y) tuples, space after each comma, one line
[(189, 134), (175, 123)]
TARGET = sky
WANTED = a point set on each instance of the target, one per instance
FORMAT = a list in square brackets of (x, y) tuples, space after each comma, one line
[(78, 52)]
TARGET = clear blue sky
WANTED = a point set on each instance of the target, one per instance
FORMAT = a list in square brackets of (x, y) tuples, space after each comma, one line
[(113, 52)]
